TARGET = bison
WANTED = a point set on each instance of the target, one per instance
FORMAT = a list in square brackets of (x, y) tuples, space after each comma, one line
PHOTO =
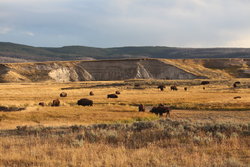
[(185, 88), (41, 104), (173, 88), (204, 82), (112, 96), (117, 92), (85, 102), (141, 108), (161, 87), (236, 84), (91, 93), (160, 110), (63, 94), (237, 97), (55, 102)]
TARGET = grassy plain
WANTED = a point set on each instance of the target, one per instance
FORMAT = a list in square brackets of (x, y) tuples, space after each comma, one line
[(207, 127)]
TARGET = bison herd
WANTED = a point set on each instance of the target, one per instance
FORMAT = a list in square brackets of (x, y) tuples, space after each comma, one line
[(81, 102), (158, 110)]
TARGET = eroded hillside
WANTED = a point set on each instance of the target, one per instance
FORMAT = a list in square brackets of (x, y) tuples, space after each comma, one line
[(124, 69)]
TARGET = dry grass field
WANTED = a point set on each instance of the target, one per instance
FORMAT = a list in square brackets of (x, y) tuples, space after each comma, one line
[(207, 127)]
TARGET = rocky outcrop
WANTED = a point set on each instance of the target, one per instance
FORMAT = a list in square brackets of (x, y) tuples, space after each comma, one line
[(104, 70)]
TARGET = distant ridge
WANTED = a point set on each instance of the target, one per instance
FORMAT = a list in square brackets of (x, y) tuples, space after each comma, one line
[(11, 53)]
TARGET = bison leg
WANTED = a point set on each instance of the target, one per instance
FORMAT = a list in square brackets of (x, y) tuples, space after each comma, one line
[(168, 114)]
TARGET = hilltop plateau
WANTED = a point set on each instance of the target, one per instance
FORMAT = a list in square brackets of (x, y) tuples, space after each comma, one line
[(10, 53)]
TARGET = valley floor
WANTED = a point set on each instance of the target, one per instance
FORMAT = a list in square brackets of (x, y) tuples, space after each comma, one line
[(207, 127)]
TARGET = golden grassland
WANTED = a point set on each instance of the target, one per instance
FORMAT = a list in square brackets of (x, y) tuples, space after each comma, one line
[(36, 151), (215, 106), (214, 97)]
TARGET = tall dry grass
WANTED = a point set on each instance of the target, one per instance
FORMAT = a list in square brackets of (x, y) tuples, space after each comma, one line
[(158, 143)]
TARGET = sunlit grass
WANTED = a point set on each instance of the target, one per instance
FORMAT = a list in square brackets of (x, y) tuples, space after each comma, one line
[(214, 106)]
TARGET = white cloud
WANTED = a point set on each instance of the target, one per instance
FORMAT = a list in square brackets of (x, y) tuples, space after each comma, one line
[(29, 33), (108, 23), (5, 30), (238, 39), (241, 42)]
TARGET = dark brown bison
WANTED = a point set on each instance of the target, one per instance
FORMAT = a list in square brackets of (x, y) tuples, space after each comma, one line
[(160, 110), (112, 96), (237, 97), (117, 92), (204, 88), (161, 87), (91, 93), (185, 88), (204, 82), (173, 87), (85, 102), (141, 108), (55, 103), (63, 94), (236, 84), (41, 104)]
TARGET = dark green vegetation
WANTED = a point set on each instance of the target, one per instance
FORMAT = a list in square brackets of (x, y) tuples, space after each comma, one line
[(10, 52)]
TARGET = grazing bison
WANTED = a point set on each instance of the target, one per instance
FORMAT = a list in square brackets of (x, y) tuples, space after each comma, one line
[(161, 87), (237, 97), (91, 93), (204, 82), (185, 88), (236, 84), (112, 96), (41, 104), (160, 110), (117, 92), (141, 108), (63, 94), (56, 103), (85, 102), (173, 87)]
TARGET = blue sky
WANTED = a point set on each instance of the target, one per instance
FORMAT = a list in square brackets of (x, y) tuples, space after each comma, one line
[(114, 23)]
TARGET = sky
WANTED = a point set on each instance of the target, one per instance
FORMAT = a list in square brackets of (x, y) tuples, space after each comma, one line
[(117, 23)]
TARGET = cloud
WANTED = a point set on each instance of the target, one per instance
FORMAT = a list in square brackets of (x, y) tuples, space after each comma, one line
[(5, 30), (241, 39), (108, 23), (29, 33)]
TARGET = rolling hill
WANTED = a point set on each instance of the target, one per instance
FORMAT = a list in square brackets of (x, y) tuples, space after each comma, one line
[(10, 53), (124, 69)]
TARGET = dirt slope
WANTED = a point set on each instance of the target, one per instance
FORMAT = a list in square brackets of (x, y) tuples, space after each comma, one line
[(124, 69)]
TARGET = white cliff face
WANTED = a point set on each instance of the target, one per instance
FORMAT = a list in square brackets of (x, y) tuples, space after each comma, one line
[(63, 74), (83, 75), (142, 73)]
